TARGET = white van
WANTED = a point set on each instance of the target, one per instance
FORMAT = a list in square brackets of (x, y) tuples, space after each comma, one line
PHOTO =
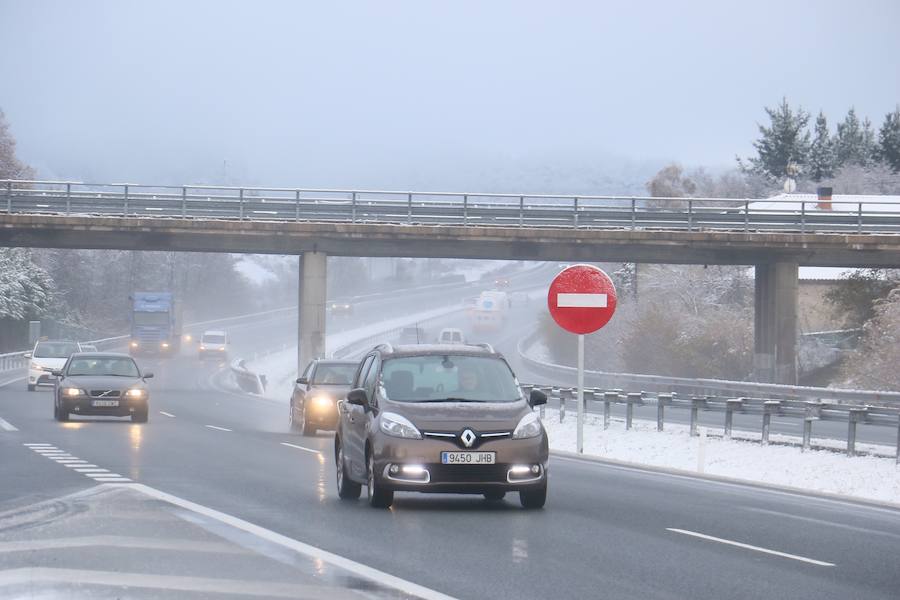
[(214, 344), (450, 335)]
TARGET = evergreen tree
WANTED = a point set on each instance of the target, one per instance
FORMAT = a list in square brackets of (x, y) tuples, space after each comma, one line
[(821, 153), (854, 143), (889, 141), (784, 143), (10, 166)]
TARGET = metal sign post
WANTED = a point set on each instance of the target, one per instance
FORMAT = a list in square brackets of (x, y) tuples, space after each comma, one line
[(581, 299)]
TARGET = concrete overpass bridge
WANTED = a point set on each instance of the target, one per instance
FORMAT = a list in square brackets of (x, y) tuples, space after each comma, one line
[(318, 223)]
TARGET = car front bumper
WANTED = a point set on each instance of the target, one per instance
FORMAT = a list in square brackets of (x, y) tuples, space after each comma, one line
[(83, 405), (40, 377)]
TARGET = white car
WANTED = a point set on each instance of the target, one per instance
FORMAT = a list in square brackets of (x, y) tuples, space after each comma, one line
[(47, 356), (450, 335), (214, 344)]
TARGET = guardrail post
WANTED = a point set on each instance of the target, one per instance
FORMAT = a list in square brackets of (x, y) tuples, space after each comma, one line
[(409, 208), (562, 406), (9, 196), (608, 399), (731, 405), (746, 215), (183, 202), (769, 407), (352, 206), (696, 403), (241, 204), (575, 213), (631, 399), (859, 219), (465, 209), (803, 216), (297, 205), (68, 198), (661, 401), (633, 212), (690, 215), (521, 210), (856, 415), (125, 203)]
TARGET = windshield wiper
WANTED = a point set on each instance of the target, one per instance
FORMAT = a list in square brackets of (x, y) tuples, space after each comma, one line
[(451, 400)]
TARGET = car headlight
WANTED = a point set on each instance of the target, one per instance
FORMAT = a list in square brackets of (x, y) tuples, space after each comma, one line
[(136, 393), (165, 344), (203, 347), (134, 344), (73, 392), (399, 426), (36, 367), (322, 402), (528, 427)]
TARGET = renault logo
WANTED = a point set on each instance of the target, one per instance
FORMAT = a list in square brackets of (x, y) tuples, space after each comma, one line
[(468, 437)]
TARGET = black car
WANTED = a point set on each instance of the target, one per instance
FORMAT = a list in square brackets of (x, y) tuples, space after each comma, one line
[(316, 392), (101, 383)]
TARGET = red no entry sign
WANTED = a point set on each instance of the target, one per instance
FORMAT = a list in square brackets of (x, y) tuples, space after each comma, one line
[(582, 299)]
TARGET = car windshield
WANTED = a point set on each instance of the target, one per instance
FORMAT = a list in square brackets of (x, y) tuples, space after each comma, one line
[(151, 318), (448, 378), (103, 366), (327, 374), (213, 339), (55, 349)]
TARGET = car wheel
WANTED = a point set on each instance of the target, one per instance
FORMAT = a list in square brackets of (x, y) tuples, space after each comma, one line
[(60, 414), (306, 428), (494, 496), (534, 498), (140, 415), (291, 421), (378, 496), (347, 488), (30, 387)]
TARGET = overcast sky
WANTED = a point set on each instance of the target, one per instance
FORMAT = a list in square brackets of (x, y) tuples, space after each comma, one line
[(388, 93)]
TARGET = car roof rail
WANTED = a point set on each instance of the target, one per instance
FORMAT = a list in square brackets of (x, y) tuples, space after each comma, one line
[(486, 346), (386, 346)]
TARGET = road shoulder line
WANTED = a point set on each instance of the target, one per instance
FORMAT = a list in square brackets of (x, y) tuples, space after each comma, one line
[(722, 479), (292, 544)]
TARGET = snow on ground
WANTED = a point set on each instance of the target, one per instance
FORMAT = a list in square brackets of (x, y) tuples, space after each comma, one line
[(867, 477), (280, 368)]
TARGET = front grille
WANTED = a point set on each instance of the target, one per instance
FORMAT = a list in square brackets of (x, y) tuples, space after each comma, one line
[(105, 393), (480, 438), (441, 473)]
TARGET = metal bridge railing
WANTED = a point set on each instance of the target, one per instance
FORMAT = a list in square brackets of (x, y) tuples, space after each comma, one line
[(444, 208)]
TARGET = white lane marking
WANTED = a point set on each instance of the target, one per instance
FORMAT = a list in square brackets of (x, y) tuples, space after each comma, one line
[(111, 479), (710, 538), (88, 469), (217, 427), (6, 425), (66, 461), (165, 414), (39, 445), (107, 474), (359, 569), (581, 300), (301, 448)]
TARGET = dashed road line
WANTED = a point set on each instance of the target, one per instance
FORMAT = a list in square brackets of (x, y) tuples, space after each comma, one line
[(6, 425), (301, 448), (217, 427), (78, 465), (710, 538), (165, 414)]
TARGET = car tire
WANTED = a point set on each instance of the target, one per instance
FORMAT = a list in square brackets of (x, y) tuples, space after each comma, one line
[(378, 496), (31, 388), (304, 425), (346, 487), (534, 498), (140, 415), (60, 414), (494, 496)]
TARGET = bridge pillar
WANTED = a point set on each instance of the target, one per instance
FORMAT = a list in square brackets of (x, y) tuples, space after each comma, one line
[(311, 318), (775, 323)]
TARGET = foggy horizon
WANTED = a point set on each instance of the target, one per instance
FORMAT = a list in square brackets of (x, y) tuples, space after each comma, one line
[(508, 96)]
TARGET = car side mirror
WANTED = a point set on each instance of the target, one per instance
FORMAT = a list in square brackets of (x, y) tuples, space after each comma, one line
[(359, 397), (27, 355), (303, 381), (536, 398), (56, 373), (148, 376)]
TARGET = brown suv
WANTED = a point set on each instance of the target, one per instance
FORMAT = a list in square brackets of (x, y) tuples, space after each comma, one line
[(440, 419)]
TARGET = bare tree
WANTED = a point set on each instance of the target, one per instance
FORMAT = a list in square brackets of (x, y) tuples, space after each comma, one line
[(10, 166)]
